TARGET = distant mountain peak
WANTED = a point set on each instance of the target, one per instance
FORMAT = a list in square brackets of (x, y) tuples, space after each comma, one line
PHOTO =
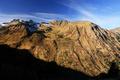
[(116, 30)]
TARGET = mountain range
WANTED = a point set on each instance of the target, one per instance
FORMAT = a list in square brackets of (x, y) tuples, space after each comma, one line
[(82, 46)]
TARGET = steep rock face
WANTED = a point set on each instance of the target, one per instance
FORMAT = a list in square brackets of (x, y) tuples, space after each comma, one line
[(81, 46), (13, 34)]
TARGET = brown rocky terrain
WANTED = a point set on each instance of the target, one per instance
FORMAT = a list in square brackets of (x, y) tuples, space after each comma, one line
[(82, 46), (117, 30)]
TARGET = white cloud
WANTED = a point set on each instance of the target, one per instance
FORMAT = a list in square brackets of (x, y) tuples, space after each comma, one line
[(8, 17), (51, 15), (106, 21), (85, 13), (35, 16)]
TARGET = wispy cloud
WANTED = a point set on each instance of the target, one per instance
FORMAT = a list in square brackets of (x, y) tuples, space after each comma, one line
[(85, 13), (38, 16), (7, 17), (51, 16)]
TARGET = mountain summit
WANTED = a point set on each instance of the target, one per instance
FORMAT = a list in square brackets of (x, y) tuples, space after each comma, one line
[(81, 46)]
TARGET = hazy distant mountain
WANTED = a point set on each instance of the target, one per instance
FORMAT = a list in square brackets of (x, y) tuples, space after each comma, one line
[(81, 46), (116, 30)]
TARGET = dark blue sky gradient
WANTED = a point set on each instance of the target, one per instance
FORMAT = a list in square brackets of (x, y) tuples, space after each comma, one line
[(30, 6)]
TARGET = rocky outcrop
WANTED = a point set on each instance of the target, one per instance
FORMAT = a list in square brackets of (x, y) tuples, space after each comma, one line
[(13, 34), (82, 46)]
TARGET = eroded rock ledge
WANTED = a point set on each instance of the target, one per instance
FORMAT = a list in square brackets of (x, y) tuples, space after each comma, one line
[(81, 46)]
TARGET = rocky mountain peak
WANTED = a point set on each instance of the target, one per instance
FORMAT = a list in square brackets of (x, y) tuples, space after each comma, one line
[(13, 34), (81, 45)]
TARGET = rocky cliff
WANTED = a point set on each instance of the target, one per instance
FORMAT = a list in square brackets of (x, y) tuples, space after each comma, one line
[(82, 46)]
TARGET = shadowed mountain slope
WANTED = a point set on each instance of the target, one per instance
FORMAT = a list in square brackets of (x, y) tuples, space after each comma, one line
[(21, 65), (81, 46)]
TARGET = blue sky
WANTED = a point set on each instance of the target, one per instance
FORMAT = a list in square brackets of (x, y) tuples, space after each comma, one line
[(105, 13)]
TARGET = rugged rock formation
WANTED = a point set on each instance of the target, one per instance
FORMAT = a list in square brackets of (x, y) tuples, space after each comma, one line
[(21, 65), (81, 46), (13, 34), (18, 64)]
